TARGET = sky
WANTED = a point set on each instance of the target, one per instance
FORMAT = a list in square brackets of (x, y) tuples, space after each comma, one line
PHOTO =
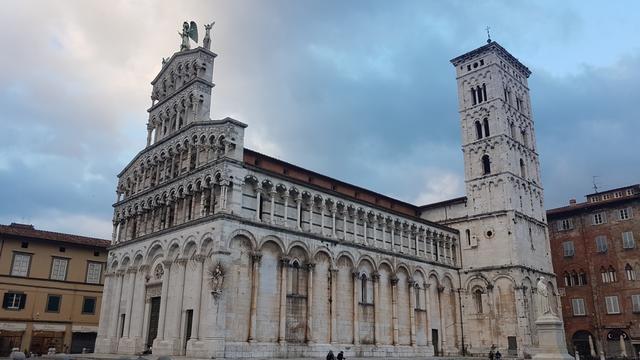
[(361, 91)]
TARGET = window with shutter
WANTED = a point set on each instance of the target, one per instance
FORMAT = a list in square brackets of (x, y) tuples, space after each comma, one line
[(635, 299), (569, 249), (59, 269), (94, 271), (601, 244), (599, 218), (14, 301), (628, 241), (578, 307), (20, 264), (612, 304)]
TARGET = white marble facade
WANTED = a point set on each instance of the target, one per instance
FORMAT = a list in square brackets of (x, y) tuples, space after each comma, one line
[(215, 256)]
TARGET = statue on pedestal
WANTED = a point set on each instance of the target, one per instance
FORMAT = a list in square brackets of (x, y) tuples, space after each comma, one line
[(544, 304)]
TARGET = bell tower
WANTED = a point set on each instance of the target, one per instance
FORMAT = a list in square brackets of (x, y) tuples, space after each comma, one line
[(502, 169)]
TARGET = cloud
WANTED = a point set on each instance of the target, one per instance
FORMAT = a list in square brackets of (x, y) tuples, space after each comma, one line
[(359, 90)]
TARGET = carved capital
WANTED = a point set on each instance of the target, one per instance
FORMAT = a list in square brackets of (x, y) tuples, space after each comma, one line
[(256, 256), (132, 270), (440, 288), (311, 266), (167, 264), (285, 261), (181, 261), (199, 258), (394, 280), (143, 268), (375, 276)]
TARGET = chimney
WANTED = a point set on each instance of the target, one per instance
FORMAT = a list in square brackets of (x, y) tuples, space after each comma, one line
[(572, 202)]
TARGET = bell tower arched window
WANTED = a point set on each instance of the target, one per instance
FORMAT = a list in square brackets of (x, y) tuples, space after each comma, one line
[(478, 130), (486, 165), (486, 127), (522, 169)]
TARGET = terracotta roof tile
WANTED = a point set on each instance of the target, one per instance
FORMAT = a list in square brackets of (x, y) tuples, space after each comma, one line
[(28, 231)]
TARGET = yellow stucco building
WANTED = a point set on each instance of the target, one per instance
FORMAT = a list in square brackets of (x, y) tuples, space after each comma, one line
[(51, 289)]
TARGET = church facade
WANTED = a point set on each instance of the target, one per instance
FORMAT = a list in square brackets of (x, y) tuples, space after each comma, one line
[(221, 251)]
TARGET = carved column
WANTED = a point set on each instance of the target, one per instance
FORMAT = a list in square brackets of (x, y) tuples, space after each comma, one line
[(255, 286), (212, 202), (299, 210), (310, 334), (106, 310), (273, 207), (376, 307), (284, 266), (416, 241), (412, 312), (166, 277), (427, 306), (181, 263), (203, 209), (402, 238), (199, 260), (393, 237), (432, 240), (334, 304), (131, 278), (333, 220), (140, 304), (258, 203), (443, 341), (322, 218), (115, 308), (286, 209), (356, 325), (394, 308), (374, 225)]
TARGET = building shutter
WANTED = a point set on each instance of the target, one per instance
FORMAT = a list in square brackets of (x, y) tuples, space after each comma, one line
[(5, 300), (23, 300)]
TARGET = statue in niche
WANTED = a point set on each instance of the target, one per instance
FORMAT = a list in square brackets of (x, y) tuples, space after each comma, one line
[(216, 275), (206, 42), (544, 302), (189, 31)]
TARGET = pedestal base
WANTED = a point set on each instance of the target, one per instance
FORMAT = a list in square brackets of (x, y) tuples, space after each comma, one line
[(552, 344), (166, 347), (130, 345), (106, 346)]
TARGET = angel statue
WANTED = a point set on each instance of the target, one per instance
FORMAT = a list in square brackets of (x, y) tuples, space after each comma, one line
[(189, 31), (206, 42)]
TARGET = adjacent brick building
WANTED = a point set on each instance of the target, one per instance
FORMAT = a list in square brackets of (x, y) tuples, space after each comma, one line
[(51, 289), (597, 260)]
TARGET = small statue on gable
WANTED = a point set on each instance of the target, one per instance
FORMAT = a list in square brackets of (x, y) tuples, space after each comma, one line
[(206, 42), (189, 31)]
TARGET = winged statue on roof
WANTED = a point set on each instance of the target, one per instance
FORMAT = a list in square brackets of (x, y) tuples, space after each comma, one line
[(189, 31)]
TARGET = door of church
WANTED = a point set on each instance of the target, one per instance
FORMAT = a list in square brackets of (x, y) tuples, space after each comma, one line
[(189, 324), (435, 342), (154, 316), (513, 345)]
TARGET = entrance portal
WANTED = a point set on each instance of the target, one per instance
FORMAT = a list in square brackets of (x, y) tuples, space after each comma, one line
[(154, 316), (435, 341)]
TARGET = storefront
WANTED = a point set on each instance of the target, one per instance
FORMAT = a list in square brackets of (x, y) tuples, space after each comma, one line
[(11, 337)]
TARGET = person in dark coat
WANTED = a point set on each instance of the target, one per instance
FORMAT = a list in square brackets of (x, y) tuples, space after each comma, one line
[(491, 354), (498, 355), (340, 355), (330, 355)]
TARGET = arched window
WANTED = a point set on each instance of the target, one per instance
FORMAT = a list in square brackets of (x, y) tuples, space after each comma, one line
[(477, 300), (486, 165), (294, 272), (363, 290), (479, 93), (473, 96), (522, 169), (582, 278), (484, 91), (612, 274), (478, 130), (574, 278), (468, 233), (567, 279), (605, 275), (525, 140), (486, 126), (512, 127), (631, 274)]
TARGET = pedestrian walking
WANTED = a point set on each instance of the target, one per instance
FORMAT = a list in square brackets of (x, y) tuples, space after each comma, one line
[(498, 355), (491, 354), (330, 355), (340, 355)]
